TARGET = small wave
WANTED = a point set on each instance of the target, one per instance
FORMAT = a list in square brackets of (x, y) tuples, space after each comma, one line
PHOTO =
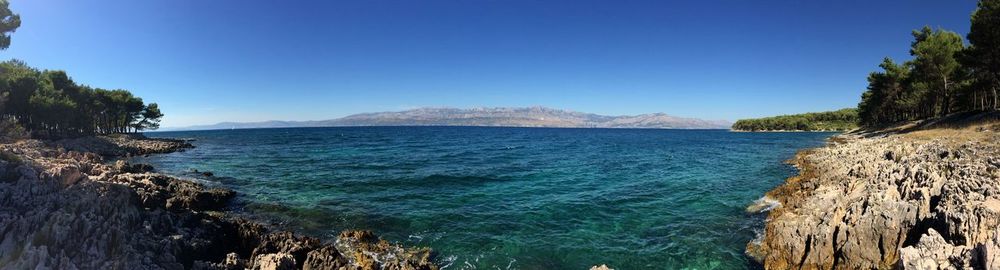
[(198, 180), (511, 264), (764, 204), (417, 238), (442, 179), (753, 248), (448, 261)]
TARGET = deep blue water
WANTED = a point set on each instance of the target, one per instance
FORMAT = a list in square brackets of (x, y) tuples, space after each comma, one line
[(508, 198)]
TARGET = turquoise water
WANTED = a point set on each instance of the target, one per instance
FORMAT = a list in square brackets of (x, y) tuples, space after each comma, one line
[(507, 198)]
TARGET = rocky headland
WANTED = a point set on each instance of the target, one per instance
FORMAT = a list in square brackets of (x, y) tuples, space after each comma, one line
[(912, 198), (65, 205)]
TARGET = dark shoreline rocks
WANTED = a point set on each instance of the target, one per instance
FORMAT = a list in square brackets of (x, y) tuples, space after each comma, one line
[(121, 145), (901, 201), (62, 207)]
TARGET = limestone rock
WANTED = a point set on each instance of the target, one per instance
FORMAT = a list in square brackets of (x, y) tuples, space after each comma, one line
[(121, 145), (326, 257), (370, 252), (990, 252), (933, 252), (124, 166), (884, 202), (274, 261)]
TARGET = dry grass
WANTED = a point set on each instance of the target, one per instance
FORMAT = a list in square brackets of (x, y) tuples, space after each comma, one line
[(954, 128), (979, 132)]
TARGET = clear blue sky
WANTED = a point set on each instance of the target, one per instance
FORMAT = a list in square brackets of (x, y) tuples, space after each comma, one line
[(227, 60)]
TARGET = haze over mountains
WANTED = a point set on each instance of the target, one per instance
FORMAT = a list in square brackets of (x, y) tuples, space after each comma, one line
[(494, 117)]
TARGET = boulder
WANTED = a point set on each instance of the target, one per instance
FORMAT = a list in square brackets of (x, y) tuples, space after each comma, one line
[(125, 167), (933, 252), (274, 261), (66, 174)]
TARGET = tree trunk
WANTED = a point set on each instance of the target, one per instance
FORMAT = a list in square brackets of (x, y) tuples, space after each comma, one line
[(995, 98), (946, 102)]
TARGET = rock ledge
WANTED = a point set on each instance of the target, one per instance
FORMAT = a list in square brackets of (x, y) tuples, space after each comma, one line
[(63, 207), (888, 202)]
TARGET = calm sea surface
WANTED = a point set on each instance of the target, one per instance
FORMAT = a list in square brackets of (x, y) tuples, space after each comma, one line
[(507, 198)]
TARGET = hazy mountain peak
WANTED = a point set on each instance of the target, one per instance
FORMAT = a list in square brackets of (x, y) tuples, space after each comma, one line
[(536, 116)]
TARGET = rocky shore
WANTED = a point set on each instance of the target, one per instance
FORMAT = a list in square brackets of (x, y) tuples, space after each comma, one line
[(64, 206), (927, 199)]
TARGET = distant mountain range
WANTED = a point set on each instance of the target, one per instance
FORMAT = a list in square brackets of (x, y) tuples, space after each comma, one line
[(492, 117)]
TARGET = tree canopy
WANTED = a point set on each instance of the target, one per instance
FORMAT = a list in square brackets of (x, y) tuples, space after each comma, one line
[(50, 103), (839, 120), (944, 76), (8, 23), (982, 57), (935, 68)]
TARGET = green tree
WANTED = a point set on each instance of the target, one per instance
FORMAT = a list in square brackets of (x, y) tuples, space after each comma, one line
[(888, 98), (50, 103), (840, 120), (49, 108), (936, 68), (983, 56), (150, 117), (19, 82), (8, 23)]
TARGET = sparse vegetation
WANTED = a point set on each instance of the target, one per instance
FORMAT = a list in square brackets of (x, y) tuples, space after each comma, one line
[(11, 131)]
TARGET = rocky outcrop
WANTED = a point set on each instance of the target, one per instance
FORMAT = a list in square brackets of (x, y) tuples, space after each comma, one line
[(63, 209), (120, 145), (934, 252), (600, 267), (888, 202), (155, 190)]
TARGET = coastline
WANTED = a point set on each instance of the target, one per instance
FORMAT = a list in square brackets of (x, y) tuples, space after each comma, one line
[(923, 199), (787, 131), (68, 208)]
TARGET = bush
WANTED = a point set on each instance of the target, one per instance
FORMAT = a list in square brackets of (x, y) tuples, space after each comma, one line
[(10, 131)]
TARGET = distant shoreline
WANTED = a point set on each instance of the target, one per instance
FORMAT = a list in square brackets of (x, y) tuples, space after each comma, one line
[(496, 116), (789, 131), (843, 120), (455, 126)]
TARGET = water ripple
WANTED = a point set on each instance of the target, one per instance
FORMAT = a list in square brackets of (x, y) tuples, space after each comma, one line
[(508, 198)]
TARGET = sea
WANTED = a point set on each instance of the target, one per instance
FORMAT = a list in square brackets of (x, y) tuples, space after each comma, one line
[(502, 197)]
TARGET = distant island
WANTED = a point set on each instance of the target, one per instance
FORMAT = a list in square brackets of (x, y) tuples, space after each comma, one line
[(839, 120), (490, 117)]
